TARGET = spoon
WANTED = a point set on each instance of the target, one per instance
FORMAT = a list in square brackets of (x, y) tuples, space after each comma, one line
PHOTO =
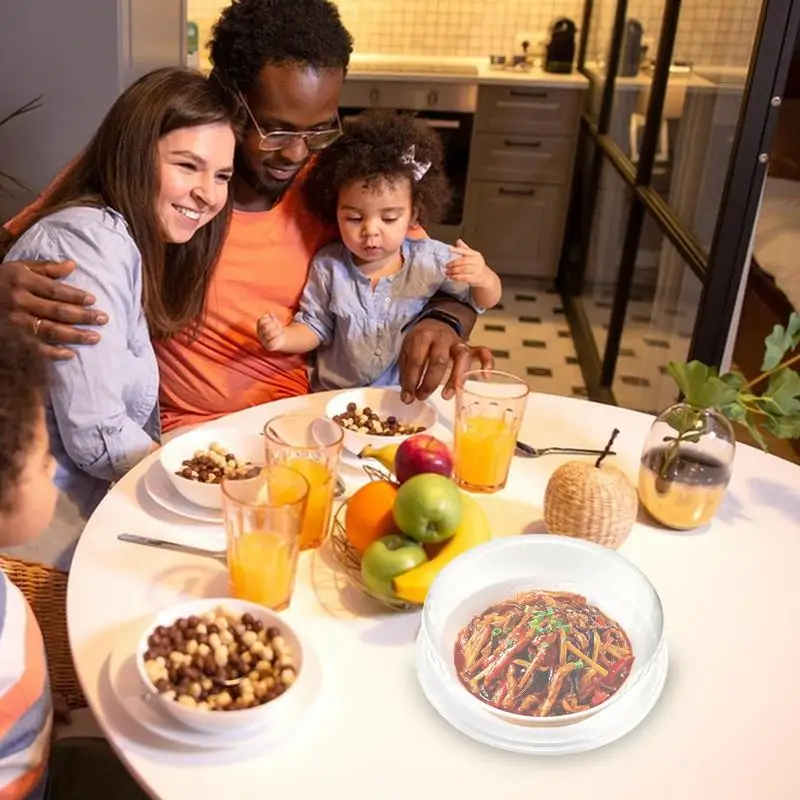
[(534, 452)]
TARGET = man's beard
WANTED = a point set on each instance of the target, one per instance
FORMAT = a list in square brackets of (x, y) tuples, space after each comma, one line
[(265, 187)]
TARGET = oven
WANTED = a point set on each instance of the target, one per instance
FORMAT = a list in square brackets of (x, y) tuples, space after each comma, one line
[(448, 108)]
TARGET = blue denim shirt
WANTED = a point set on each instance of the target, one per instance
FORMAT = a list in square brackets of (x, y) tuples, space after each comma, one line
[(102, 414), (360, 328)]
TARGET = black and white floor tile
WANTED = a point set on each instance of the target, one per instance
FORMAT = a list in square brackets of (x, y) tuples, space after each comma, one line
[(649, 342), (529, 337)]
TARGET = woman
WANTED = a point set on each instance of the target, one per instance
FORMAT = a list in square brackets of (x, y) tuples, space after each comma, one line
[(143, 213)]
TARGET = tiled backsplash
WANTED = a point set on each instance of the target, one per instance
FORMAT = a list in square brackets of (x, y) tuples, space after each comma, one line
[(711, 31), (718, 32)]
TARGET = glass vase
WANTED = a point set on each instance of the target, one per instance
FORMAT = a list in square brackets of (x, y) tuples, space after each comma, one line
[(686, 466)]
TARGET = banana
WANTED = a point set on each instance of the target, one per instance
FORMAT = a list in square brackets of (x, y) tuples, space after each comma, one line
[(384, 455), (412, 586)]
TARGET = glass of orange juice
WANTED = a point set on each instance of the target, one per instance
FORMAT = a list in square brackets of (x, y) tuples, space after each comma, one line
[(489, 409), (263, 519), (311, 446)]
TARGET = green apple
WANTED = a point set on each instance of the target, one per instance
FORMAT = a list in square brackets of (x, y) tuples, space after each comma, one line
[(388, 557), (428, 508)]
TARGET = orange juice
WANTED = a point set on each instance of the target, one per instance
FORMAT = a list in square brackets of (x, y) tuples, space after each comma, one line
[(320, 500), (261, 568), (483, 449)]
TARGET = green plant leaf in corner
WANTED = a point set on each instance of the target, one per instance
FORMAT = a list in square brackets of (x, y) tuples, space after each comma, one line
[(782, 397), (780, 342), (787, 427), (702, 386), (751, 422)]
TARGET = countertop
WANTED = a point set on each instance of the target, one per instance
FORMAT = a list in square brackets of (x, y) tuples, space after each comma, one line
[(450, 69), (447, 69), (703, 77)]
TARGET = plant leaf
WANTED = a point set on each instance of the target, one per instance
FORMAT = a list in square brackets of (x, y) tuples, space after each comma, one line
[(682, 419), (733, 379), (702, 386), (752, 426), (735, 412), (780, 342), (783, 393), (689, 377), (787, 427)]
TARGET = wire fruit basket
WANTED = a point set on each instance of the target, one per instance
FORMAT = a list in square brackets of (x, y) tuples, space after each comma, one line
[(350, 558)]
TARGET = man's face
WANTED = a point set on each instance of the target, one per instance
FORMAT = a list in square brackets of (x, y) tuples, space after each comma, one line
[(286, 97)]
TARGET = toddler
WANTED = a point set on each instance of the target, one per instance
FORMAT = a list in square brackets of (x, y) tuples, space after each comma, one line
[(378, 182)]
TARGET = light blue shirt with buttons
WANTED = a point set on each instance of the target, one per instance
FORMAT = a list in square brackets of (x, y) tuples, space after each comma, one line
[(102, 414), (360, 328)]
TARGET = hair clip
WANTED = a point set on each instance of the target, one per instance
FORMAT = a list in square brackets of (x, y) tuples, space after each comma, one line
[(419, 168)]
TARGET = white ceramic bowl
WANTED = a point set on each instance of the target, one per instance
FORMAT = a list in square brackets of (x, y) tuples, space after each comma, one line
[(387, 403), (222, 721), (498, 569), (245, 446)]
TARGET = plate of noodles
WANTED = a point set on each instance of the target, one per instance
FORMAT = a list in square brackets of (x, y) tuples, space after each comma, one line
[(541, 632)]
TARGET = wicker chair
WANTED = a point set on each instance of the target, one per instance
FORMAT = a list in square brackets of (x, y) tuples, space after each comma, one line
[(45, 588)]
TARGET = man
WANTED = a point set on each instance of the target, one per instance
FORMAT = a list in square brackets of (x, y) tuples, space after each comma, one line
[(287, 61)]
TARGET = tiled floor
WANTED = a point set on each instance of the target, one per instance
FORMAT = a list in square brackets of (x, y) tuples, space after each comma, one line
[(529, 336), (649, 342)]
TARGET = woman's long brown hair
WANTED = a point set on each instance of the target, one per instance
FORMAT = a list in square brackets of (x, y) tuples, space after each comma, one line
[(120, 169)]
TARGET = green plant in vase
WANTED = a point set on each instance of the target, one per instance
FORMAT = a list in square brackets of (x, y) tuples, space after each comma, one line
[(687, 460)]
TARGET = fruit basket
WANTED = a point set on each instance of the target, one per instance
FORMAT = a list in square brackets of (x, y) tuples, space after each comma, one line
[(350, 558)]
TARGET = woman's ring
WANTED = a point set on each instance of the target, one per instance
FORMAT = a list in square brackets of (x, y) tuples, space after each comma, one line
[(37, 323)]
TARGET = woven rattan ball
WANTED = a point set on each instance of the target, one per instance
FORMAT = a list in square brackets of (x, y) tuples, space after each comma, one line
[(589, 502)]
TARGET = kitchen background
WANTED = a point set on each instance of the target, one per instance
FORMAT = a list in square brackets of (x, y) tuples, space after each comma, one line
[(536, 171), (712, 31)]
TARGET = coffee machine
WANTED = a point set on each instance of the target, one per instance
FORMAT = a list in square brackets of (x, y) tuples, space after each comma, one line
[(561, 48)]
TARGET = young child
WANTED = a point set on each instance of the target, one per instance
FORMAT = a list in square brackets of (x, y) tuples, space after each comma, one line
[(29, 768), (378, 182), (27, 500)]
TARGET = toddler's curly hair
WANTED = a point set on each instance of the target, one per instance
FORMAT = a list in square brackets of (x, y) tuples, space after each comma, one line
[(370, 150), (23, 389)]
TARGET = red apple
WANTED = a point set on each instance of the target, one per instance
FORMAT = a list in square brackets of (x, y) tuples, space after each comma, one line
[(420, 454)]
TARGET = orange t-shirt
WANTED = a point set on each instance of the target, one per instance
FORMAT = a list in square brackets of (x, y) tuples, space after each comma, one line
[(263, 267)]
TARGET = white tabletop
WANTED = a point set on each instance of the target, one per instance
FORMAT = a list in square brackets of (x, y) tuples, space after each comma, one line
[(727, 725)]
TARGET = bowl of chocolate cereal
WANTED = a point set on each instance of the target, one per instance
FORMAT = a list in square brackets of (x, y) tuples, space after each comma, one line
[(377, 417), (197, 461), (221, 665)]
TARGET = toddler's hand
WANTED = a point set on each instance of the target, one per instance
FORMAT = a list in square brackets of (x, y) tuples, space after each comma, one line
[(270, 332), (469, 267)]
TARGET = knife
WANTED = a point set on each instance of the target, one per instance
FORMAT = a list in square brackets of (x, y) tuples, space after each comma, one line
[(148, 541)]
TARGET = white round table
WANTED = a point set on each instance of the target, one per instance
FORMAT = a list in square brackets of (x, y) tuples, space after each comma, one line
[(727, 725)]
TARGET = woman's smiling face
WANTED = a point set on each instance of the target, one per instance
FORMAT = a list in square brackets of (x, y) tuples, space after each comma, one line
[(196, 165)]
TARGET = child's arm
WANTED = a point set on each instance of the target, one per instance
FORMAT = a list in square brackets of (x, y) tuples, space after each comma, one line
[(469, 267), (312, 325), (295, 338)]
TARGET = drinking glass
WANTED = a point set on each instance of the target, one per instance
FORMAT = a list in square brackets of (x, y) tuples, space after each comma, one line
[(489, 409), (312, 446), (263, 519)]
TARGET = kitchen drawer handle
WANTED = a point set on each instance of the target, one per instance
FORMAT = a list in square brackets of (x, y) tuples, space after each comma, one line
[(522, 192), (512, 143), (527, 93)]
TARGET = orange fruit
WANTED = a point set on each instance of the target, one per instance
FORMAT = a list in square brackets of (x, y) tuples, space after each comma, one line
[(368, 515)]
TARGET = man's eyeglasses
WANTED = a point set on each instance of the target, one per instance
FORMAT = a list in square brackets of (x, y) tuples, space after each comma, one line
[(283, 140)]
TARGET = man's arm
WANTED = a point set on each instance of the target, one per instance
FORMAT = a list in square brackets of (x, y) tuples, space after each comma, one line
[(461, 317)]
